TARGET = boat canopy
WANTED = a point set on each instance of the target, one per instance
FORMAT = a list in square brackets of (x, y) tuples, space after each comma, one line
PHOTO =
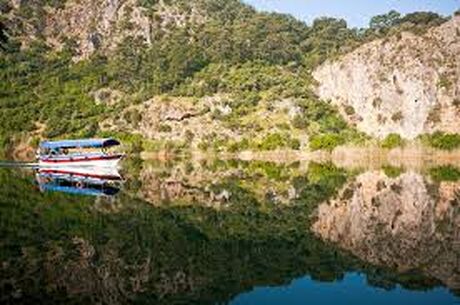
[(82, 143), (107, 191)]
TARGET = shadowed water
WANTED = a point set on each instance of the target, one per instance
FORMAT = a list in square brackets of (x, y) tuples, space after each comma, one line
[(231, 232)]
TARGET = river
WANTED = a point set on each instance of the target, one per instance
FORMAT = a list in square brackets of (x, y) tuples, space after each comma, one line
[(231, 232)]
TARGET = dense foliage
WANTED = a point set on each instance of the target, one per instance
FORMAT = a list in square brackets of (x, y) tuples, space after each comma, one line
[(393, 21), (238, 51)]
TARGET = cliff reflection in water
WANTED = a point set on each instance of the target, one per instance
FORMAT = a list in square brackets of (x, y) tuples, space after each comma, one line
[(205, 232), (405, 223)]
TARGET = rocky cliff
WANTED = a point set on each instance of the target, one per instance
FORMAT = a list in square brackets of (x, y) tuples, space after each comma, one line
[(407, 84), (98, 25)]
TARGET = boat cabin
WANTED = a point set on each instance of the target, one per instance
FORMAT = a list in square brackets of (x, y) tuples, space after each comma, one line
[(66, 147), (84, 152)]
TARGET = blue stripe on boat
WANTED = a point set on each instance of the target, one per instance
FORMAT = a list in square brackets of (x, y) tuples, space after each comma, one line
[(77, 191), (82, 143)]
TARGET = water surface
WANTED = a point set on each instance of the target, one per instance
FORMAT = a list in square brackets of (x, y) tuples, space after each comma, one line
[(232, 232)]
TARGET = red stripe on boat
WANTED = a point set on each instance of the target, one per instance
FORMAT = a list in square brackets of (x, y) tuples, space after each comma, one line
[(52, 171), (82, 159)]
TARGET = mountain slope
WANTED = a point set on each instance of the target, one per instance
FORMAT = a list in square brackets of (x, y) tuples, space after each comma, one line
[(94, 68), (207, 74), (407, 84)]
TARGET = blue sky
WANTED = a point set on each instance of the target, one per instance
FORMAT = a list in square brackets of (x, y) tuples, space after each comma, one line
[(356, 12)]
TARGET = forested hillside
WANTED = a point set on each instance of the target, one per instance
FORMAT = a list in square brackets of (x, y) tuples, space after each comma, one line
[(206, 74)]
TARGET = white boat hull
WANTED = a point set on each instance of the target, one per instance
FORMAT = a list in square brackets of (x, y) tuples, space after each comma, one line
[(101, 161), (103, 173)]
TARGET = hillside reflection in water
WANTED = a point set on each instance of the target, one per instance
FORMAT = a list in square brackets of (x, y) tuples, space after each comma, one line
[(211, 232)]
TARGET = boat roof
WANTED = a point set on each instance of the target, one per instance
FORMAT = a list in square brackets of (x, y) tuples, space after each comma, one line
[(80, 143)]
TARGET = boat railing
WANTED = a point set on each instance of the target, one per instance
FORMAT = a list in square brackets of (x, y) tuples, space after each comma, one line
[(78, 154)]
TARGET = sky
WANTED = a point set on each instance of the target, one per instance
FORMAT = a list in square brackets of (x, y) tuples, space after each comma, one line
[(356, 12)]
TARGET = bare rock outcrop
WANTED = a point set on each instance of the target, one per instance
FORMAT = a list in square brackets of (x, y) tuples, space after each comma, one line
[(407, 84), (101, 25)]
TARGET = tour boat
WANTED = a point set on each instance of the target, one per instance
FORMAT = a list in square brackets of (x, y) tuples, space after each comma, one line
[(57, 153)]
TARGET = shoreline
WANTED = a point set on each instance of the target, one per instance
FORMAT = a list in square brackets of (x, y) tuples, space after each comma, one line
[(349, 157), (411, 156)]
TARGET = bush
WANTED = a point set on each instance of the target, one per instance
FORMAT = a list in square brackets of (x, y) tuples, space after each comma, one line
[(277, 140), (189, 135), (203, 146), (164, 128), (392, 141), (445, 173), (238, 146), (294, 144), (456, 103), (350, 110), (434, 116), (397, 117), (444, 82), (133, 117), (326, 141), (377, 102), (392, 171), (272, 142), (442, 140)]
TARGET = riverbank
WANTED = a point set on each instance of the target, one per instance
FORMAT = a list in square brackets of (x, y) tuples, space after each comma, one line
[(414, 156), (411, 157)]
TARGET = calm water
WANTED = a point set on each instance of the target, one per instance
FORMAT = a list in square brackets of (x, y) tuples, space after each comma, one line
[(231, 232)]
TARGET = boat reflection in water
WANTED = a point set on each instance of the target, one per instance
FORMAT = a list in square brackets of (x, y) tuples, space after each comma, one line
[(90, 181)]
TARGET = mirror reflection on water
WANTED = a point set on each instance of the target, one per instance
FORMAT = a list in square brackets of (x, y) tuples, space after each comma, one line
[(231, 232)]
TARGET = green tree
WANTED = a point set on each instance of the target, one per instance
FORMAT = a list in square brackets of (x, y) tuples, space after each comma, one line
[(385, 21)]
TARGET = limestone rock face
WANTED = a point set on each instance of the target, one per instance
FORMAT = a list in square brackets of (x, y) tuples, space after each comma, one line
[(405, 223), (102, 25), (406, 84)]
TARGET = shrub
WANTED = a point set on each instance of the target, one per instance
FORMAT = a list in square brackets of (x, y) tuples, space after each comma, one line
[(203, 145), (350, 110), (34, 142), (283, 126), (442, 140), (164, 128), (397, 117), (294, 144), (392, 171), (445, 173), (272, 142), (392, 141), (238, 146), (456, 103), (189, 136), (444, 82), (300, 122), (276, 140), (435, 114), (326, 141), (133, 117)]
